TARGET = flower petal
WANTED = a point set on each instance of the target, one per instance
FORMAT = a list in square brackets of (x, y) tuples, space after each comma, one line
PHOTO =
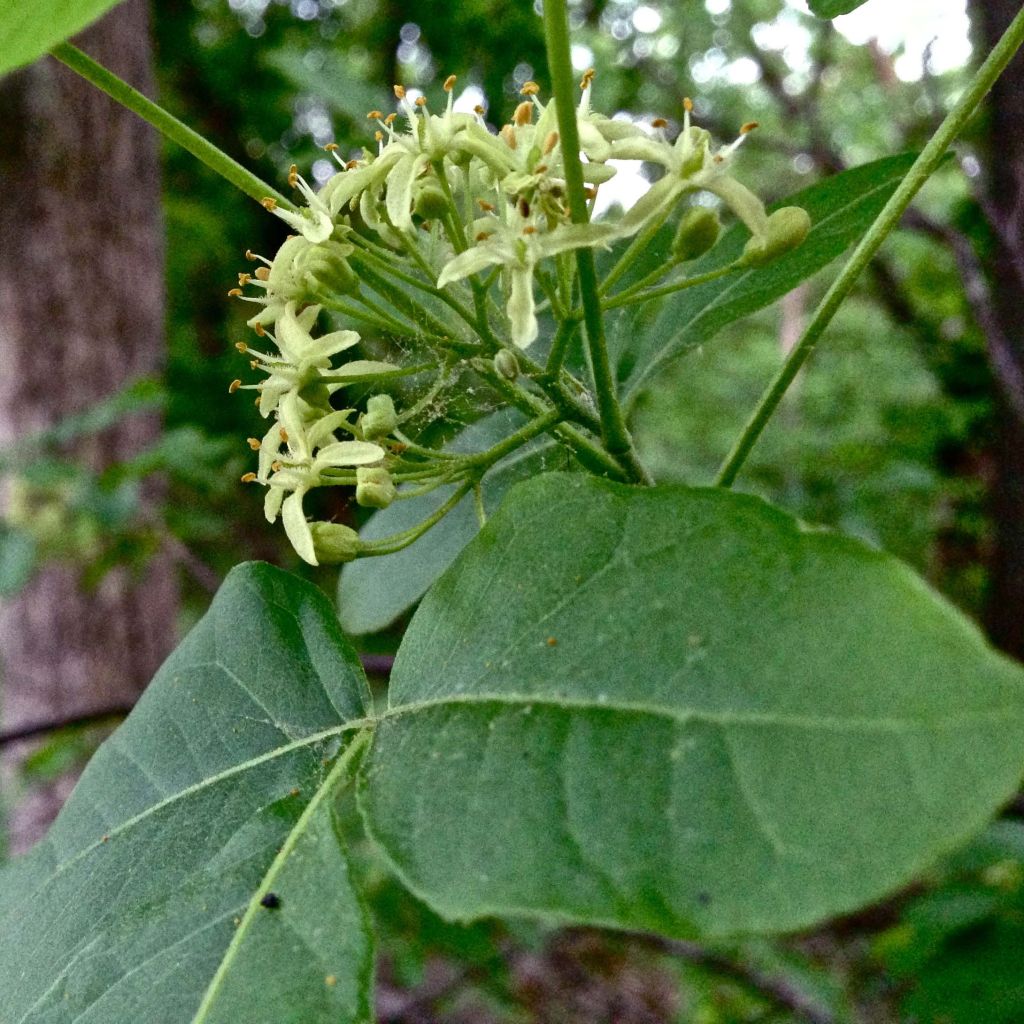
[(470, 262), (348, 453), (520, 308), (296, 527)]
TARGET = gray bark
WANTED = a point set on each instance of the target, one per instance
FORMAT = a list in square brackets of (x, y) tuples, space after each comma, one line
[(81, 315)]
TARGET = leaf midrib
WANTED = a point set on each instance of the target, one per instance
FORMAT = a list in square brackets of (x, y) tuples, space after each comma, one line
[(718, 718)]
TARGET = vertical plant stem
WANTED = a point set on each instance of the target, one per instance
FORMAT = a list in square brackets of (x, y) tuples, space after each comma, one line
[(614, 431), (886, 221), (167, 124)]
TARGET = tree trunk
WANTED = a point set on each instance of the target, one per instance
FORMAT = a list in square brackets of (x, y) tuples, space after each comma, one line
[(1005, 208), (81, 315)]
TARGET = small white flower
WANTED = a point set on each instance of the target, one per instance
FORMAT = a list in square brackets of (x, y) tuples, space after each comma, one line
[(314, 220), (518, 248)]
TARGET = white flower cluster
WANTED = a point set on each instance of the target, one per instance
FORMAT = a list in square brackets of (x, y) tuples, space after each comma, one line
[(513, 181), (301, 449), (487, 200)]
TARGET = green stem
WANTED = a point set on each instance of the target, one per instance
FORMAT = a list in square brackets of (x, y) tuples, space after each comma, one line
[(639, 243), (541, 425), (167, 124), (923, 168), (560, 348), (398, 541), (614, 431), (636, 295)]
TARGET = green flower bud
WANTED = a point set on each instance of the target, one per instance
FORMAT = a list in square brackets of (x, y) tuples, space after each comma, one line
[(379, 419), (431, 203), (785, 230), (506, 364), (698, 231), (326, 268), (374, 487), (334, 543)]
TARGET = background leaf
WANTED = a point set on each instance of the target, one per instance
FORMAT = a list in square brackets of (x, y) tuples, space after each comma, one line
[(373, 592), (644, 339), (833, 8), (677, 710), (143, 903), (28, 30)]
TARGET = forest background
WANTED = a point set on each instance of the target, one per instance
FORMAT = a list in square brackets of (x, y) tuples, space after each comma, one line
[(121, 451)]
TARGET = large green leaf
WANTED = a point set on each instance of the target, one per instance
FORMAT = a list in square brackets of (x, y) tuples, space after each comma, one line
[(373, 592), (841, 209), (833, 8), (678, 709), (144, 902), (28, 30)]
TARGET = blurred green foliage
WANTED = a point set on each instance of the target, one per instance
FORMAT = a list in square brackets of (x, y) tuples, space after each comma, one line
[(887, 436)]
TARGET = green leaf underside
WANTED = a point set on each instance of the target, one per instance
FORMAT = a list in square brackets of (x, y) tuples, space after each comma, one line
[(143, 903), (28, 30), (683, 712), (373, 592), (644, 339), (834, 8)]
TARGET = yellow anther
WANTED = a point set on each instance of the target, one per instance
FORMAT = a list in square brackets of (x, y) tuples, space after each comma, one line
[(234, 293), (378, 135), (421, 101), (254, 443), (659, 122), (590, 192), (234, 386), (529, 230), (244, 279), (523, 114), (262, 273), (351, 165), (390, 119), (485, 206), (254, 364), (400, 92), (588, 78), (258, 328), (283, 433), (529, 89), (508, 135), (749, 127), (550, 142), (483, 236), (449, 83), (250, 255), (374, 115), (478, 109), (241, 346), (293, 175), (268, 203), (688, 105), (276, 466), (330, 147), (248, 478)]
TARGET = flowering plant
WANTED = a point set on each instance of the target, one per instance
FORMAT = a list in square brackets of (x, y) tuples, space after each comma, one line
[(674, 710)]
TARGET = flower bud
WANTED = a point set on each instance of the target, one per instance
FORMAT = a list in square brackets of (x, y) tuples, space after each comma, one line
[(374, 487), (334, 543), (506, 364), (379, 419), (326, 268), (431, 203), (698, 231), (785, 230)]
